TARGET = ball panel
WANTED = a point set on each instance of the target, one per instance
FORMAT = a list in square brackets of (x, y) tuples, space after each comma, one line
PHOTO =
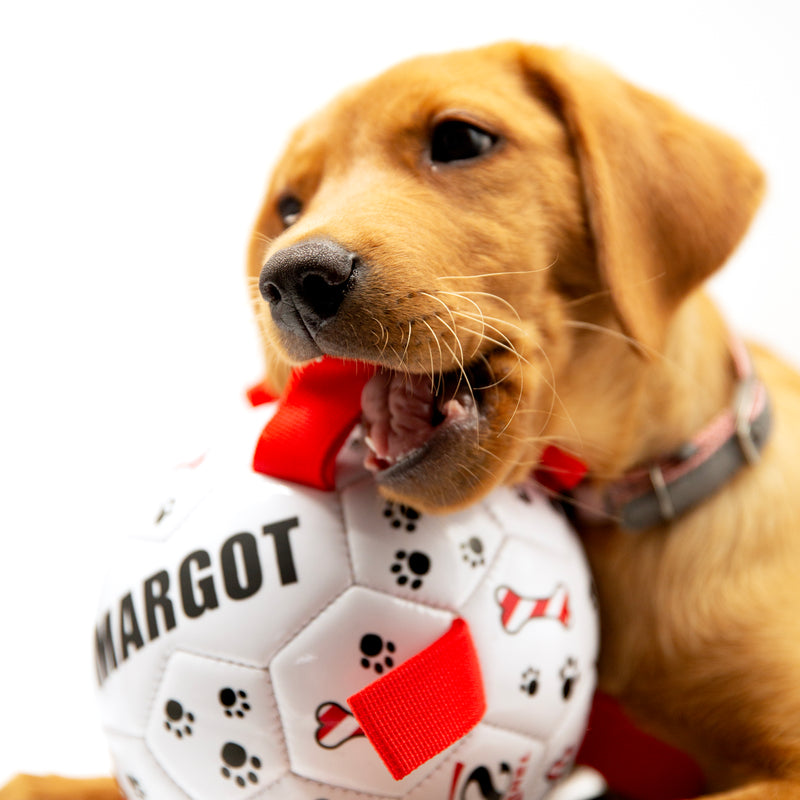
[(138, 774), (293, 787), (532, 622), (429, 559), (236, 580), (213, 727), (182, 489), (357, 639), (489, 762), (187, 486), (525, 512), (565, 739)]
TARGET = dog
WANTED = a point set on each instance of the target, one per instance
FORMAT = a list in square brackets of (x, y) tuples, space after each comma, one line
[(517, 238)]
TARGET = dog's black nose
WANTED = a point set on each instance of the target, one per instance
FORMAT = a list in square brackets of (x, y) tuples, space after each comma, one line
[(306, 283)]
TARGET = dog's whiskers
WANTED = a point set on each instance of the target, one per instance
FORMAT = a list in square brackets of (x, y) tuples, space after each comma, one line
[(488, 295), (613, 332), (262, 237), (502, 273), (484, 321), (434, 338), (507, 346), (461, 369), (408, 342)]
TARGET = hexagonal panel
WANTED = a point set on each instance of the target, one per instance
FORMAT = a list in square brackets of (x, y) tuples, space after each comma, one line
[(249, 566), (360, 637), (535, 617), (214, 730)]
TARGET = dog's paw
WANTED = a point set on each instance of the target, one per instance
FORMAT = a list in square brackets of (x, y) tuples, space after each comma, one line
[(51, 787)]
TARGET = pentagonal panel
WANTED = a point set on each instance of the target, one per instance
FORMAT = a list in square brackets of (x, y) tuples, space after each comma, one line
[(525, 512), (137, 772), (430, 559)]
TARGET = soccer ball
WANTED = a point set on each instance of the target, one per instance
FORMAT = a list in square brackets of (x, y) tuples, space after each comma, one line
[(235, 626)]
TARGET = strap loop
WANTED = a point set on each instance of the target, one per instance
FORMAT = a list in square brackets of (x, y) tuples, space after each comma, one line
[(317, 410), (425, 704)]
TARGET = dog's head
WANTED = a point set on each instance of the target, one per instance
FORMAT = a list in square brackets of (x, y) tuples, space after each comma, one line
[(470, 223)]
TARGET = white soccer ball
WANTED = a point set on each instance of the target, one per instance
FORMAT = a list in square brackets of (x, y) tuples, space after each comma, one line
[(234, 627)]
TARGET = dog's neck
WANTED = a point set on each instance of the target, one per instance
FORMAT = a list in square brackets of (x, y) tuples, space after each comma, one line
[(623, 407), (711, 416)]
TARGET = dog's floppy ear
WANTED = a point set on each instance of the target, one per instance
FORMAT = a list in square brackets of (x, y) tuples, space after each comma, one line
[(667, 197)]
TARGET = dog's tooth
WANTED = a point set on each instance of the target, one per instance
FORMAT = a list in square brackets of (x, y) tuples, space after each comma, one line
[(456, 409)]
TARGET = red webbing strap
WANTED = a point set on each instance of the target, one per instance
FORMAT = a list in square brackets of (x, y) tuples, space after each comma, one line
[(424, 705), (558, 471), (634, 764), (316, 412), (259, 394)]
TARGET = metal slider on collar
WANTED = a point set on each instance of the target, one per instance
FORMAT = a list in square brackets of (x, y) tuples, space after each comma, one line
[(661, 491), (744, 405), (659, 483)]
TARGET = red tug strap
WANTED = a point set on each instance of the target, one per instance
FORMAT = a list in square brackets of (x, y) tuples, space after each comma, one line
[(318, 408), (425, 704), (558, 471)]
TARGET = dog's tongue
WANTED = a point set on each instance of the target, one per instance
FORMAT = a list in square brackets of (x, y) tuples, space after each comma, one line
[(398, 414)]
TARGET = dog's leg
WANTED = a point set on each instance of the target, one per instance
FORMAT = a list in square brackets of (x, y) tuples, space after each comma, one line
[(50, 787), (763, 790)]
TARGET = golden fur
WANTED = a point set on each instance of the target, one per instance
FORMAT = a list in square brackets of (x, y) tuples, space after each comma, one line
[(564, 267)]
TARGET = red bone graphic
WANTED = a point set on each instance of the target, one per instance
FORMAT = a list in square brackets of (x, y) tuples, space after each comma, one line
[(517, 610), (336, 725)]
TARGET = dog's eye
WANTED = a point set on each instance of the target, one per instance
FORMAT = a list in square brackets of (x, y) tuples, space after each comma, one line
[(456, 140), (289, 207)]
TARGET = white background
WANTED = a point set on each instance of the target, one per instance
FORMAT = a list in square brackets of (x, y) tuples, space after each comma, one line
[(135, 140)]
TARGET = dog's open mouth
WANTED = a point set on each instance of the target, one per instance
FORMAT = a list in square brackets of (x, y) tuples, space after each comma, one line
[(409, 417)]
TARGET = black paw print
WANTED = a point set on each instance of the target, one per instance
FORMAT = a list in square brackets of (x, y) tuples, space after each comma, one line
[(372, 647), (530, 681), (523, 493), (136, 787), (178, 721), (234, 757), (234, 701), (569, 676), (418, 563), (165, 510), (472, 552), (400, 515)]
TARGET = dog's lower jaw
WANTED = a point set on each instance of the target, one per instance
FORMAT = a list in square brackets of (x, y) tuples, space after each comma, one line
[(450, 473), (477, 443)]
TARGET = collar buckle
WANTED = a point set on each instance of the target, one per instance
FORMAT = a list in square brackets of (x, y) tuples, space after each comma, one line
[(661, 490), (744, 403)]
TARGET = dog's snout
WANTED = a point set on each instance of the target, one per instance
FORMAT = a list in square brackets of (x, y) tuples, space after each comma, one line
[(306, 283)]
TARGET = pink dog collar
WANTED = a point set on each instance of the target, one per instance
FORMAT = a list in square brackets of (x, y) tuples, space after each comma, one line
[(664, 489)]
